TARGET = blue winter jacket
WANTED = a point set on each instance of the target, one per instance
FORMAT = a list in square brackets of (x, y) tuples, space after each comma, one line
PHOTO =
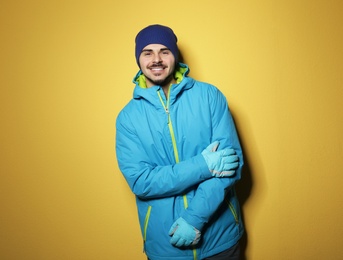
[(158, 146)]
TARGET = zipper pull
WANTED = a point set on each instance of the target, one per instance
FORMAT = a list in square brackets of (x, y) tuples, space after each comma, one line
[(168, 115)]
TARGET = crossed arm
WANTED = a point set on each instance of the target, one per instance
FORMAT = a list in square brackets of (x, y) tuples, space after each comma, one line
[(210, 193)]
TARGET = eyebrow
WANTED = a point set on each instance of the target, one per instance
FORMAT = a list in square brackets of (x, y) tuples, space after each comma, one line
[(162, 49)]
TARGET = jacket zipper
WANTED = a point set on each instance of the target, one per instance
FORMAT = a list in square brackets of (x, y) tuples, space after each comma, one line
[(171, 130), (176, 153)]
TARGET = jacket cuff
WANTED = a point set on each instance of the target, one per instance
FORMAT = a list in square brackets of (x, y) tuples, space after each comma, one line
[(193, 220), (202, 167)]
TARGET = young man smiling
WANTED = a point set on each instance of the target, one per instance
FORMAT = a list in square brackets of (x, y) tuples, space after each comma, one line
[(178, 149), (157, 63)]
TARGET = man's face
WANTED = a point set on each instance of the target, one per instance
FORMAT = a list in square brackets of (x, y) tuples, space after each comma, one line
[(157, 63)]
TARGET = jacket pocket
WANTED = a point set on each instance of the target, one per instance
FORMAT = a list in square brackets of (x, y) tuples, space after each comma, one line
[(145, 226), (233, 210)]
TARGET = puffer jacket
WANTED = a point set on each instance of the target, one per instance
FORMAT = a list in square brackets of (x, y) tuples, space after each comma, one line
[(159, 142)]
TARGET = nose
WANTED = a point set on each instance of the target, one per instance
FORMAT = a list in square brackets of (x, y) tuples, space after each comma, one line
[(157, 58)]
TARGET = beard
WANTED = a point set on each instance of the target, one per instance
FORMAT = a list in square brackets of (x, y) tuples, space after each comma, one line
[(162, 82)]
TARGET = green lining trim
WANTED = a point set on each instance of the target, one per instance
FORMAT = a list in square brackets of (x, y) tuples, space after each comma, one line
[(146, 221)]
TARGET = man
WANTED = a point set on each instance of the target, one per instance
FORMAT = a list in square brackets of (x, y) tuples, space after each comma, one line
[(178, 149)]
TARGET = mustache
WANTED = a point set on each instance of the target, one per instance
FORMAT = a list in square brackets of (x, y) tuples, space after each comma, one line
[(157, 65)]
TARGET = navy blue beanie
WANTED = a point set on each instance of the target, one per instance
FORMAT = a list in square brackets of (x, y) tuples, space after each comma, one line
[(156, 34)]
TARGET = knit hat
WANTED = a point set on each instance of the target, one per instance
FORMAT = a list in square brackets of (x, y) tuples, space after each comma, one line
[(156, 34)]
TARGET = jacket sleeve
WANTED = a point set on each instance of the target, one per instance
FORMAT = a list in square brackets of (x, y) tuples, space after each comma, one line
[(146, 179), (211, 193)]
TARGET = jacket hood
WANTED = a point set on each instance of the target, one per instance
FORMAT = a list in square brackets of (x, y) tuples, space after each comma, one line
[(182, 83)]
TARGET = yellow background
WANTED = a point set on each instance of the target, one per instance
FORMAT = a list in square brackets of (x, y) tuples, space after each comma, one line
[(66, 71)]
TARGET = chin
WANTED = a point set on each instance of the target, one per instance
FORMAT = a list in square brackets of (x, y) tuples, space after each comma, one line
[(161, 81)]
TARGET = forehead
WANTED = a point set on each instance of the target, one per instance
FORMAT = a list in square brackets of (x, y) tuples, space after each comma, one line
[(154, 47)]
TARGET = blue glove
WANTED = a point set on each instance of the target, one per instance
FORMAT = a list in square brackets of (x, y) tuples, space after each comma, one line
[(183, 234), (211, 148), (220, 163)]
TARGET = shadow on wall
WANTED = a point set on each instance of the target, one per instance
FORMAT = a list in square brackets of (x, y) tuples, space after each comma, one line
[(248, 184), (243, 189)]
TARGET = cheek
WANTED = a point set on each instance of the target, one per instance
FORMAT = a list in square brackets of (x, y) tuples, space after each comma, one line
[(172, 65), (143, 61)]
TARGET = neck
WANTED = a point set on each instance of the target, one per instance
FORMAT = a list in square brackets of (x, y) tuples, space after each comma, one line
[(166, 87)]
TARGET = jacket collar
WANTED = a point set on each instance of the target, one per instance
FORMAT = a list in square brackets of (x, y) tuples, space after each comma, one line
[(182, 79)]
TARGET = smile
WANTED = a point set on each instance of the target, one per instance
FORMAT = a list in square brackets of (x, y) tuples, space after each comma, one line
[(157, 69)]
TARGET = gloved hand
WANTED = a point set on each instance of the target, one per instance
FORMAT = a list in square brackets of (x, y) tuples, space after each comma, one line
[(211, 148), (183, 234), (220, 163)]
